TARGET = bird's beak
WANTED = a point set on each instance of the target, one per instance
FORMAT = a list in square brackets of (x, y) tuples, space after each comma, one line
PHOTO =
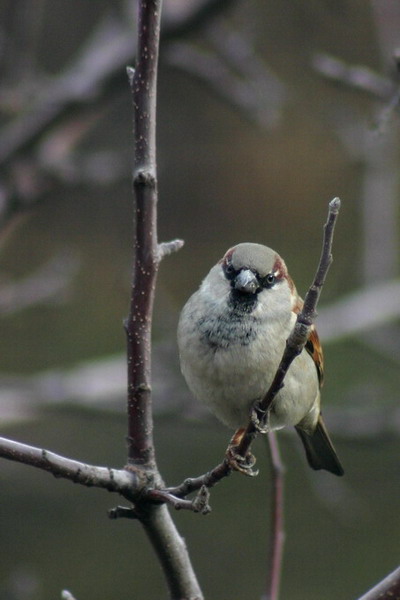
[(246, 281)]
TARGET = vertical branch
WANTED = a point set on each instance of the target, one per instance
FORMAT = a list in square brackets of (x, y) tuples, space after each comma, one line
[(156, 520), (138, 324), (277, 520)]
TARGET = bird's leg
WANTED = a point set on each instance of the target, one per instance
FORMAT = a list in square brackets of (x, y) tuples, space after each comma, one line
[(243, 464), (260, 418)]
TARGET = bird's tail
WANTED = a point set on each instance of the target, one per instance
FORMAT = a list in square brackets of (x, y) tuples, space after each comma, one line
[(319, 449)]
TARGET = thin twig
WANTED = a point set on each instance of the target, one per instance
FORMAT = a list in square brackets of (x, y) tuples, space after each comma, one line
[(301, 331), (277, 520), (361, 311), (94, 73), (199, 504), (48, 283), (358, 77)]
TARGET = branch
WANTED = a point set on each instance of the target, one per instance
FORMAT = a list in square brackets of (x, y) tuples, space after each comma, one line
[(143, 84), (167, 248), (387, 589), (299, 336), (113, 480), (244, 84), (277, 524), (47, 283), (356, 77), (360, 311), (156, 520), (102, 56), (95, 73), (199, 504)]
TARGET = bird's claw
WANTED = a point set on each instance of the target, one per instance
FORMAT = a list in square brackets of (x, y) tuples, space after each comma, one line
[(243, 464), (260, 419)]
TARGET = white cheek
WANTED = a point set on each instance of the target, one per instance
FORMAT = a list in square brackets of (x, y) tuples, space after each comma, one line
[(215, 288)]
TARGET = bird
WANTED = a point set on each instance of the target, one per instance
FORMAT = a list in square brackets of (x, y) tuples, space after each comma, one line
[(231, 337)]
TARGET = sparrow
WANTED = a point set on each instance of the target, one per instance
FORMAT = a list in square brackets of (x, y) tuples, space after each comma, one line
[(231, 337)]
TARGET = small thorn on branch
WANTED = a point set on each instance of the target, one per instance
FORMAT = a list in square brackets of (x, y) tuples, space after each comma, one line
[(66, 595), (130, 71), (200, 503), (122, 512), (166, 248)]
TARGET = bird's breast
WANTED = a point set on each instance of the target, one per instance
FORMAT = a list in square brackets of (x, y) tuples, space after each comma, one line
[(221, 332)]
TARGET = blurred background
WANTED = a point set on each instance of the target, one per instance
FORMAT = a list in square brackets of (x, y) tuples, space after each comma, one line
[(266, 111)]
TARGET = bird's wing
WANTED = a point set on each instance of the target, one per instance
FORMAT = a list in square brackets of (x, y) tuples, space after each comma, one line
[(313, 346)]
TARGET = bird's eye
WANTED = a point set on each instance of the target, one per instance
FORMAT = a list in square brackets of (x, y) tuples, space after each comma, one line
[(269, 280), (229, 270)]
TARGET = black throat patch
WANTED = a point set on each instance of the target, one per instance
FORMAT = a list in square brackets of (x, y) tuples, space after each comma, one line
[(242, 302)]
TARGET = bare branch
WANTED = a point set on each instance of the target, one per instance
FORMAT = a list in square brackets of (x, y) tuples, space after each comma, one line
[(242, 91), (299, 336), (208, 479), (357, 77), (49, 282), (110, 46), (387, 589), (138, 324), (96, 72), (114, 480), (166, 248), (199, 504), (277, 521), (360, 311), (156, 520)]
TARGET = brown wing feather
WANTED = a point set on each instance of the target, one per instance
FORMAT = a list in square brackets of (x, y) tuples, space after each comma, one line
[(313, 345), (318, 446)]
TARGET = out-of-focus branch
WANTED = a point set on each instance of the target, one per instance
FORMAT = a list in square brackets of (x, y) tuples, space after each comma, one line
[(234, 72), (360, 311), (357, 77), (378, 152), (277, 520), (108, 49), (97, 72), (48, 283), (92, 79)]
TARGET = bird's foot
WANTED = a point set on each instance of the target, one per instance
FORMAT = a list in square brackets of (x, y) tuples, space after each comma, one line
[(260, 419), (237, 462)]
